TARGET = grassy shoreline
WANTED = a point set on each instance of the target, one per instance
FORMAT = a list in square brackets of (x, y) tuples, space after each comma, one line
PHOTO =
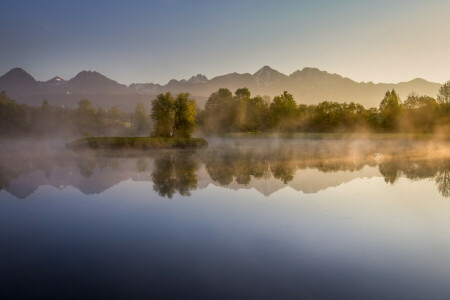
[(138, 143), (340, 136)]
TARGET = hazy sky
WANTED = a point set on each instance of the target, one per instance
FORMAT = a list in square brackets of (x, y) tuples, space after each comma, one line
[(154, 41)]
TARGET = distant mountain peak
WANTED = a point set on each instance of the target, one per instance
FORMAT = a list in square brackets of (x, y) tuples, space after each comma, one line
[(313, 74), (89, 74), (173, 82), (17, 70), (199, 78), (93, 77), (266, 73), (56, 79), (94, 82), (308, 85), (18, 75)]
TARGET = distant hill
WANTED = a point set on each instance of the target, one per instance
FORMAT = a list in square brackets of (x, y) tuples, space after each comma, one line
[(309, 85)]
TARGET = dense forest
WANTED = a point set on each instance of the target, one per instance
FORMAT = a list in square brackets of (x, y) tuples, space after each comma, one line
[(226, 112)]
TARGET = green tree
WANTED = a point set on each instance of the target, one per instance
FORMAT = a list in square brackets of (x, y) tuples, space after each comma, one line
[(256, 114), (241, 99), (185, 113), (444, 93), (163, 115), (390, 109), (283, 112), (86, 117), (14, 117), (218, 115), (419, 113)]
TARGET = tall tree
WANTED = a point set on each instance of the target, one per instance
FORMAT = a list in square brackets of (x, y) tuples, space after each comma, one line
[(185, 112), (241, 99), (257, 112), (163, 115), (218, 115), (390, 109), (86, 117), (444, 93), (283, 111)]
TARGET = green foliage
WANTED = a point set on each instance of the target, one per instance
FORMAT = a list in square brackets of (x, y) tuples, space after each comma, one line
[(444, 93), (419, 113), (257, 113), (185, 113), (163, 115), (138, 143), (284, 112), (390, 109), (14, 118), (226, 113), (219, 113), (174, 117)]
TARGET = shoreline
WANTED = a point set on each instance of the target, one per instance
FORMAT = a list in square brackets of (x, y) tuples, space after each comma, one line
[(138, 143)]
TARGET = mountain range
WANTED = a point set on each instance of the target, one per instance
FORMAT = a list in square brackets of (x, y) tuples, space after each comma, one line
[(309, 86)]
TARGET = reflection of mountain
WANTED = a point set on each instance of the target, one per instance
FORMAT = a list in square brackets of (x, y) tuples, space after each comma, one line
[(307, 167), (306, 181), (309, 85), (100, 180)]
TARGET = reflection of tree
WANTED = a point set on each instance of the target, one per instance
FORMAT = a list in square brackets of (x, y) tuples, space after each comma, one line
[(283, 170), (443, 179), (439, 169), (220, 167), (390, 171), (186, 167), (230, 164), (175, 172), (163, 176), (443, 182)]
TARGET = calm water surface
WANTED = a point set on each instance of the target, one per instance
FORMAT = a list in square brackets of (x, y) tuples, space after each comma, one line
[(241, 219)]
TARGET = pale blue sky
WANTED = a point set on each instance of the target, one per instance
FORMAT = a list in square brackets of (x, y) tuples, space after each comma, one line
[(154, 41)]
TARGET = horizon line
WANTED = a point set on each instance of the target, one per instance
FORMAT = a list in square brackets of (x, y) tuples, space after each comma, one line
[(245, 73)]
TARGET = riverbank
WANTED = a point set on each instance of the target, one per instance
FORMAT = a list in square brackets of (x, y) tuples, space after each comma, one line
[(139, 143), (334, 136)]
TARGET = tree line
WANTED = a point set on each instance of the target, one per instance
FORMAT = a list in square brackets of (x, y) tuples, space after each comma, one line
[(24, 120), (225, 112), (239, 112)]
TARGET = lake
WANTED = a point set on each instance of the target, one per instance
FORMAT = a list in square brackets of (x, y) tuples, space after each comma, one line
[(275, 219)]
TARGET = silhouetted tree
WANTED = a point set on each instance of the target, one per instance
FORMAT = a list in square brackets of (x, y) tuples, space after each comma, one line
[(390, 109), (444, 93)]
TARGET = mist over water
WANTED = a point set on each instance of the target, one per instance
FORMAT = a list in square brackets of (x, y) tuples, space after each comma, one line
[(231, 163), (265, 218)]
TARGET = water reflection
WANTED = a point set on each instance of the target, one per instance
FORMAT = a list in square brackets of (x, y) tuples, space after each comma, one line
[(175, 172), (266, 167)]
